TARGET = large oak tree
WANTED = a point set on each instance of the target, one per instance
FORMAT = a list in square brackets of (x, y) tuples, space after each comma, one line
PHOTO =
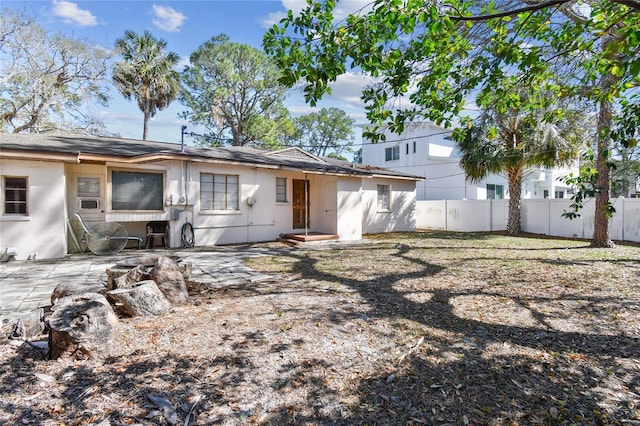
[(48, 82), (446, 53)]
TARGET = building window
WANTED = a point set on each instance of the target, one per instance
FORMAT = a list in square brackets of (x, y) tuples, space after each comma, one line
[(392, 153), (559, 194), (15, 195), (406, 148), (414, 147), (545, 193), (137, 191), (384, 193), (281, 190), (495, 192), (219, 192)]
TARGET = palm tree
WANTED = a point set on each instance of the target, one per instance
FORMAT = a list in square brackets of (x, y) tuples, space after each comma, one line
[(513, 141), (146, 73)]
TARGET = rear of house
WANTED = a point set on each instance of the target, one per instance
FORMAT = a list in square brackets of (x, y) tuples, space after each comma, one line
[(206, 196)]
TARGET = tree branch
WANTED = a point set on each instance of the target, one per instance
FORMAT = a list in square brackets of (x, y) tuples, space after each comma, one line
[(633, 4)]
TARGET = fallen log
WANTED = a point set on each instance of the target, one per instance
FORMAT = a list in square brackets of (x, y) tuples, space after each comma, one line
[(143, 299), (81, 326)]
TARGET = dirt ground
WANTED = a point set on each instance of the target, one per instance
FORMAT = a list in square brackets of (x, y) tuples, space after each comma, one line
[(425, 328)]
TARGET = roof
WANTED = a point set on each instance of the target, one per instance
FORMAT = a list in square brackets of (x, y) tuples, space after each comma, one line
[(80, 148)]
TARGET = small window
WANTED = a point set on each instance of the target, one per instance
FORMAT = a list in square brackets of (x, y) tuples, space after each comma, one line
[(281, 190), (88, 187), (384, 192), (392, 153), (15, 195), (406, 148), (546, 193), (495, 192), (137, 191), (414, 147), (559, 194), (219, 192)]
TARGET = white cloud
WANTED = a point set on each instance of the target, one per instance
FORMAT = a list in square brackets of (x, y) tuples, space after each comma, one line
[(272, 19), (71, 14), (167, 18), (343, 9)]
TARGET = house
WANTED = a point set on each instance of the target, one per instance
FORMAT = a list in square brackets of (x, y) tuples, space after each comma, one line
[(427, 150), (227, 195)]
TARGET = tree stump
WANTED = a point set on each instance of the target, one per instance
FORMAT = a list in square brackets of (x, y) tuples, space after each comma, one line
[(65, 289), (126, 279), (144, 299), (82, 326), (170, 280)]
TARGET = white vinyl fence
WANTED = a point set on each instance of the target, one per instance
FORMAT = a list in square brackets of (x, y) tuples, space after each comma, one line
[(539, 216)]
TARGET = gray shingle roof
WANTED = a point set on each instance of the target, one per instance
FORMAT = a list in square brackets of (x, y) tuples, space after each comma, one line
[(44, 144)]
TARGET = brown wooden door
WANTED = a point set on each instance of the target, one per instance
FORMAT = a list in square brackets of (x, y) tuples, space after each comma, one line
[(300, 203)]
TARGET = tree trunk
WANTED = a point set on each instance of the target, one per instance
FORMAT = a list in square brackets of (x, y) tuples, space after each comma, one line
[(514, 175), (143, 299), (82, 326), (145, 130), (601, 236)]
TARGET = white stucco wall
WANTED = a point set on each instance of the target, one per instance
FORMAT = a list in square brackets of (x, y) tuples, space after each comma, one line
[(401, 215), (350, 209), (42, 233)]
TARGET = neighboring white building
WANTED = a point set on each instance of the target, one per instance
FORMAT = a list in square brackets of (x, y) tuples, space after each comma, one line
[(227, 195), (427, 150)]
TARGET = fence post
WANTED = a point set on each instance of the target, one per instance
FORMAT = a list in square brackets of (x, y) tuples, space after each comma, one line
[(446, 216)]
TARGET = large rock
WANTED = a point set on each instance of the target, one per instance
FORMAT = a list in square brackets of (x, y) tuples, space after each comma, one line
[(170, 280), (82, 326), (126, 278), (142, 299)]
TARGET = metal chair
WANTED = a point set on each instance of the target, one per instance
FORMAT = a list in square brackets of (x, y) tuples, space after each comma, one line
[(157, 229), (104, 238)]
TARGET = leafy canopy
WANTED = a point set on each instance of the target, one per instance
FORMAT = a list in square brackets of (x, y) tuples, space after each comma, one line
[(47, 81), (233, 90), (327, 131), (443, 54)]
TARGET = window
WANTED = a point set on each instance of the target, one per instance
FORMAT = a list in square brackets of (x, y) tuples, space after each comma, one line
[(219, 192), (137, 191), (495, 192), (559, 194), (384, 192), (392, 153), (15, 195), (546, 193), (414, 147), (406, 148), (281, 190), (88, 193)]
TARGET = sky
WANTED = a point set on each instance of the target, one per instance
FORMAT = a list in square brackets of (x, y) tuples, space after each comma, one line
[(184, 25)]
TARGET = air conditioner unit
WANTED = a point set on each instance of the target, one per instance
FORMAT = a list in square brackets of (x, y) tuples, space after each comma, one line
[(89, 203)]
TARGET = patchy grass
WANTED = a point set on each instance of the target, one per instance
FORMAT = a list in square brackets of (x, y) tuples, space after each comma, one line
[(424, 328)]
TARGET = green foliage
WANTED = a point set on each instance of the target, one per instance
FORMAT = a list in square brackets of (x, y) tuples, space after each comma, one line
[(327, 131), (46, 80), (146, 73), (233, 91), (586, 184)]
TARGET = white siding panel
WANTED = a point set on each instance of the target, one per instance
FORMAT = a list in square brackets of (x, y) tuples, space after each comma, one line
[(43, 232)]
